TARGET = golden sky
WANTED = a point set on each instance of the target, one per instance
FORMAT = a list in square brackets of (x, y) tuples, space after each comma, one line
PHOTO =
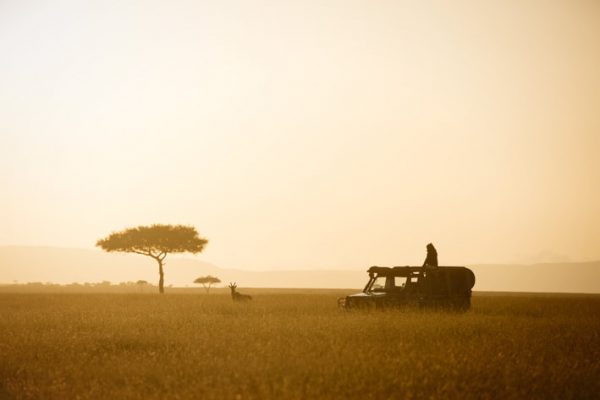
[(306, 134)]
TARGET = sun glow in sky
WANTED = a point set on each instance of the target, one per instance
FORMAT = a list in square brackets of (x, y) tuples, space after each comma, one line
[(305, 134)]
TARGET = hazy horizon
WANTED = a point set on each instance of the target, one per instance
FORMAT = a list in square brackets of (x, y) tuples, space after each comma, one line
[(305, 134), (65, 266)]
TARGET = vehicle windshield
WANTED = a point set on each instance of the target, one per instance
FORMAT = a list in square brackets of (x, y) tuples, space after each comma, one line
[(378, 284), (385, 284)]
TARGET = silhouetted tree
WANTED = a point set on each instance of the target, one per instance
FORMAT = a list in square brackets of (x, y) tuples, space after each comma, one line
[(155, 241), (207, 281)]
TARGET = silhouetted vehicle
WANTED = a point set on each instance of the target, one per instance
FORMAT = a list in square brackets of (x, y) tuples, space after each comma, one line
[(421, 287)]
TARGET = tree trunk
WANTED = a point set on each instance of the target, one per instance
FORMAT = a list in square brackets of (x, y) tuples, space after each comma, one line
[(161, 281)]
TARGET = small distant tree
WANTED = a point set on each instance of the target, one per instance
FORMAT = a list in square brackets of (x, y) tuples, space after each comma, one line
[(142, 284), (155, 241), (207, 281)]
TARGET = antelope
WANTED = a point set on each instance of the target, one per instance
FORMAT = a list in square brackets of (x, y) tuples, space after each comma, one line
[(237, 296)]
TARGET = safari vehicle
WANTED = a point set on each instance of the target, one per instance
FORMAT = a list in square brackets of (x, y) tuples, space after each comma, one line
[(421, 287)]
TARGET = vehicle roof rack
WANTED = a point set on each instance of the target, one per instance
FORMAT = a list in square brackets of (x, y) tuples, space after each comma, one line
[(409, 270)]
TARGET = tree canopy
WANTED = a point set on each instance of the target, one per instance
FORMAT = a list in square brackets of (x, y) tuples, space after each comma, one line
[(155, 241), (207, 281)]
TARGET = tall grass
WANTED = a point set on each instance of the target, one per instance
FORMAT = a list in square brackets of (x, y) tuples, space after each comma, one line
[(294, 346)]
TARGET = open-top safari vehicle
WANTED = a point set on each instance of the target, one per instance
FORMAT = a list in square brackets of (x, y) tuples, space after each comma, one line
[(437, 287)]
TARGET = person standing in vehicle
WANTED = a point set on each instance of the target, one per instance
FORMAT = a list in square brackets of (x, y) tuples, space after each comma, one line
[(431, 260)]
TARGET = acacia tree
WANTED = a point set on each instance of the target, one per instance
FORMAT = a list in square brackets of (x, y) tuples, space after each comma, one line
[(141, 284), (207, 281), (155, 241)]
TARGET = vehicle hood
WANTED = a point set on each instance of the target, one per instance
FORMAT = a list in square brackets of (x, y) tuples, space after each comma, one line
[(364, 295)]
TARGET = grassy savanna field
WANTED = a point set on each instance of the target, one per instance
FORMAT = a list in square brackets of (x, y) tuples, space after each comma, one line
[(294, 345)]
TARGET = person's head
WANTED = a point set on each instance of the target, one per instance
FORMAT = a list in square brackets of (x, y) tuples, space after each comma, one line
[(430, 247)]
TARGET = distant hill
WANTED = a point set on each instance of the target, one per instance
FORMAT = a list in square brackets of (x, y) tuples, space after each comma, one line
[(63, 265), (582, 277)]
